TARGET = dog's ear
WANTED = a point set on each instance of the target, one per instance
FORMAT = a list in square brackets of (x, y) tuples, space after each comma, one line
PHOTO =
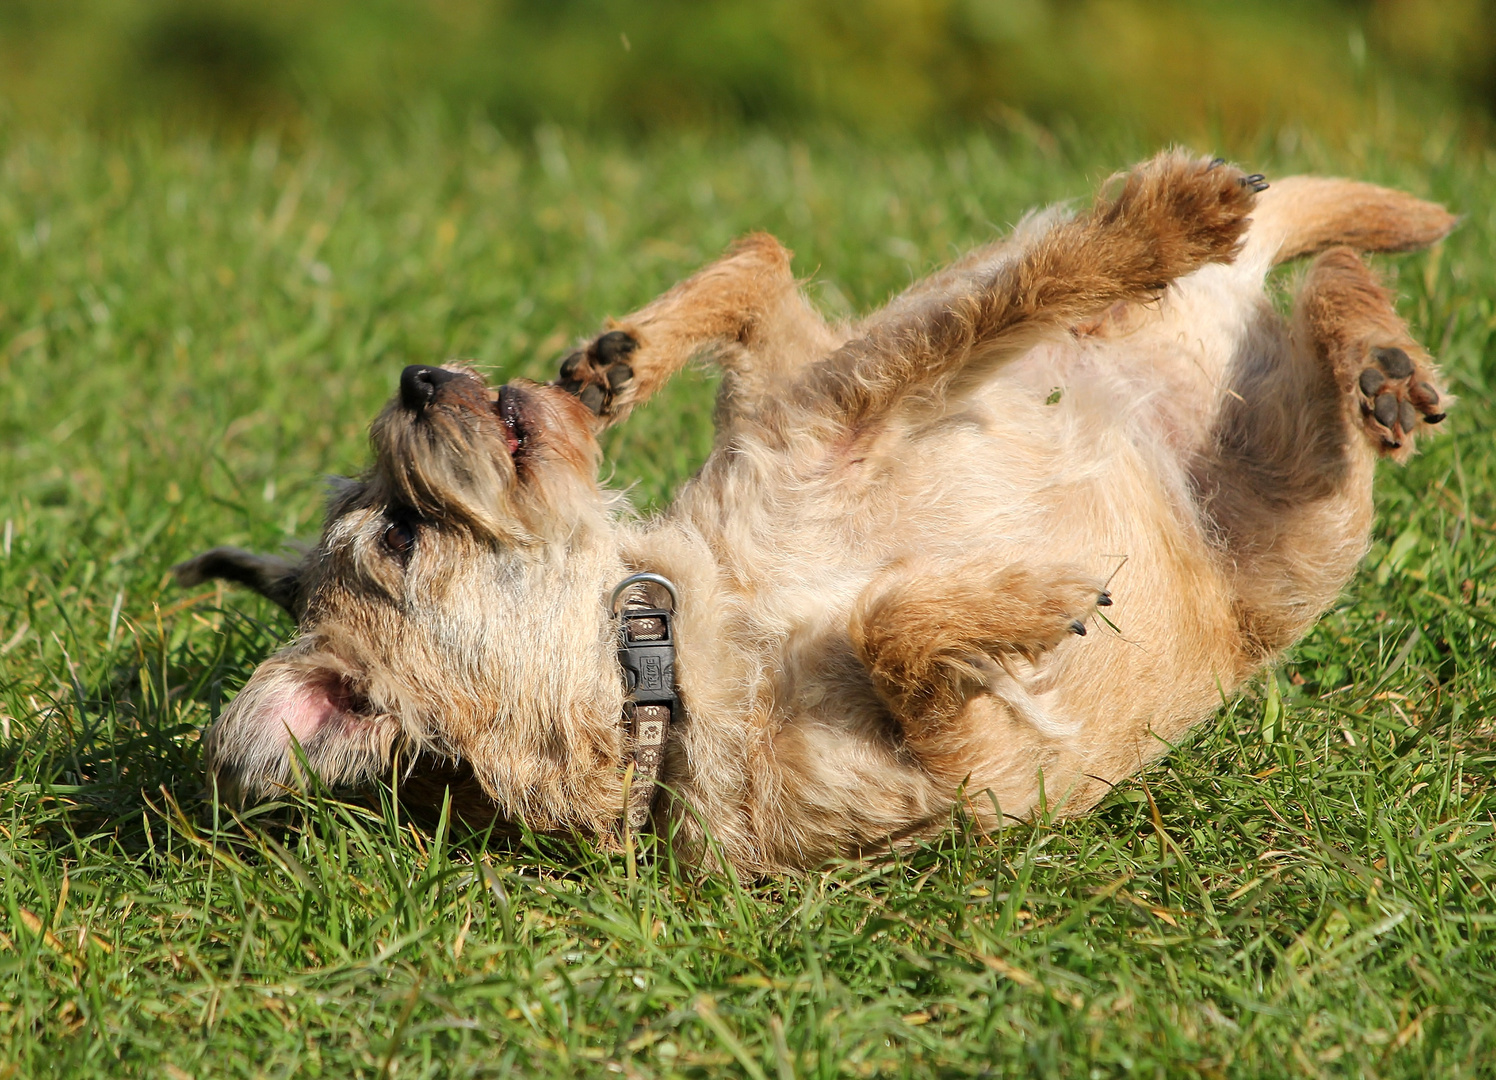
[(271, 576)]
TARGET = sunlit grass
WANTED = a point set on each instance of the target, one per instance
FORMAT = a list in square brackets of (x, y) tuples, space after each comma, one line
[(193, 334)]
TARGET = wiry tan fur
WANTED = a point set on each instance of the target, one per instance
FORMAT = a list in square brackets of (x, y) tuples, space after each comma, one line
[(884, 561)]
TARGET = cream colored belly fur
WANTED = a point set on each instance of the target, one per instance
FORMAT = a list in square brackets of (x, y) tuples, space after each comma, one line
[(1019, 479)]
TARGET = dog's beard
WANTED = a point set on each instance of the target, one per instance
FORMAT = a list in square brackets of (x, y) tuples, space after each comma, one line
[(447, 464)]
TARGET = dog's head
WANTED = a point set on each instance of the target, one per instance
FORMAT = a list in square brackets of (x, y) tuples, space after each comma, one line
[(451, 612)]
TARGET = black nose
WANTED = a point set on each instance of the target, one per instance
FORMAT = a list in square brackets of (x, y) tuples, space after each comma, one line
[(418, 384)]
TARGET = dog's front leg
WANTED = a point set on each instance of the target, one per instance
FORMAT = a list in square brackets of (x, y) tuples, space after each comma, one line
[(928, 632), (1172, 215), (745, 308)]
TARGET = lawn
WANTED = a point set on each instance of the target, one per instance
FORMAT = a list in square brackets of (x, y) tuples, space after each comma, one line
[(193, 333)]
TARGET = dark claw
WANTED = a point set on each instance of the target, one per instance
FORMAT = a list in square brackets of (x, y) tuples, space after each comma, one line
[(1216, 163), (1391, 444), (1078, 627), (1105, 599), (1257, 182), (1434, 418), (1407, 416), (1372, 382), (1385, 410), (1394, 362)]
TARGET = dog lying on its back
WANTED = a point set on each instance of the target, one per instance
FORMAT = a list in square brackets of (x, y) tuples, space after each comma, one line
[(888, 565)]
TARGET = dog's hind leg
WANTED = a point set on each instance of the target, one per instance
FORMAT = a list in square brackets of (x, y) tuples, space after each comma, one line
[(1285, 486), (1173, 215), (1174, 358), (931, 634), (1305, 215), (745, 308)]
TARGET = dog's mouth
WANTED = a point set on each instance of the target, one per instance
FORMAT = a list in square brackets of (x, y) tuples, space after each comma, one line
[(502, 458), (423, 388), (510, 407)]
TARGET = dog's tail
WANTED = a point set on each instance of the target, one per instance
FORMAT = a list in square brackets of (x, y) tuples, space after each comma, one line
[(1304, 215)]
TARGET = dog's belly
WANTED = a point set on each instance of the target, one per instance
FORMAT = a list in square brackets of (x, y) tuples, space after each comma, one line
[(1019, 479)]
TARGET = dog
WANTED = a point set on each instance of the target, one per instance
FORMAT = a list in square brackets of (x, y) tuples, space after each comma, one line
[(877, 601)]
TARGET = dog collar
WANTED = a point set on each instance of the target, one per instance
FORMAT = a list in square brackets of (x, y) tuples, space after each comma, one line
[(646, 653)]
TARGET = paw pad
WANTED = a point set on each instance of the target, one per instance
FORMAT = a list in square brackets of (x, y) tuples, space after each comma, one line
[(1396, 393), (600, 372)]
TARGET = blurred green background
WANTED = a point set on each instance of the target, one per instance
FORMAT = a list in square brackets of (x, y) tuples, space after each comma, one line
[(1166, 69)]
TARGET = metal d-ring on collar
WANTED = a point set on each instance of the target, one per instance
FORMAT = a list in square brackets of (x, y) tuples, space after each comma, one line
[(646, 653), (639, 579)]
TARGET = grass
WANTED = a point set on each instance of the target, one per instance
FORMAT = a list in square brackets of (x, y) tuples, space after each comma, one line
[(192, 333), (898, 66)]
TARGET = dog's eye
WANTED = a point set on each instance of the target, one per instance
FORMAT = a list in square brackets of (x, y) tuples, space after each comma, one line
[(400, 538)]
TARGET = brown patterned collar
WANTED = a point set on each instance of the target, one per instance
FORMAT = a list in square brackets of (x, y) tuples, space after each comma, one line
[(646, 653)]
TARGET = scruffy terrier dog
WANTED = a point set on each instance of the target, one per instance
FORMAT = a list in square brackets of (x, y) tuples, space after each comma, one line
[(887, 569)]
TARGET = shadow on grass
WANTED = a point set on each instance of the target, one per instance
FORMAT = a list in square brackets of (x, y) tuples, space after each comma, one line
[(96, 752)]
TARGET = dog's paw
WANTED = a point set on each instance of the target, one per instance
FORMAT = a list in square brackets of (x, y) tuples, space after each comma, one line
[(1398, 394), (1190, 211), (1060, 613), (600, 374), (1077, 609)]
